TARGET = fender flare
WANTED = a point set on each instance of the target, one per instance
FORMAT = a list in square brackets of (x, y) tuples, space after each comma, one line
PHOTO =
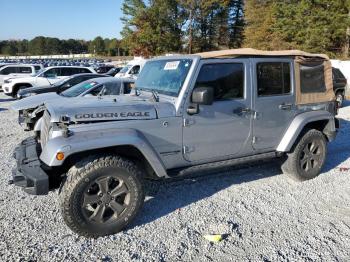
[(90, 140), (298, 124)]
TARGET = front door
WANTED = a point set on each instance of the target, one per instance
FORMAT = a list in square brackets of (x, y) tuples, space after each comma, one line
[(274, 101), (222, 129)]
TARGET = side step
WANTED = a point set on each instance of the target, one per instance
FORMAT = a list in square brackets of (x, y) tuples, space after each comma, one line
[(178, 172)]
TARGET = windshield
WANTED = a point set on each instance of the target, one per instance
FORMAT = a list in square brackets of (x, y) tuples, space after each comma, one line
[(164, 76), (125, 69), (78, 89)]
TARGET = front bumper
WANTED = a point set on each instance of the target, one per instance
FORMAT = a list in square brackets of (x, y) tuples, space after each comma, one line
[(7, 89), (29, 173)]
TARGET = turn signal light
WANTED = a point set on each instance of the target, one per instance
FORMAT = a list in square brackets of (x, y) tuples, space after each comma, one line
[(60, 156)]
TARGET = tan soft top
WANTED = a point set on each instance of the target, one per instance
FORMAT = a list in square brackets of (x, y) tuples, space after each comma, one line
[(255, 52)]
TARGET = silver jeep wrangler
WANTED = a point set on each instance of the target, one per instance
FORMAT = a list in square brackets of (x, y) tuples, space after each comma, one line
[(187, 114)]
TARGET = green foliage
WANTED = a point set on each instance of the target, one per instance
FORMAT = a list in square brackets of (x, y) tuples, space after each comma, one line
[(309, 25), (164, 26)]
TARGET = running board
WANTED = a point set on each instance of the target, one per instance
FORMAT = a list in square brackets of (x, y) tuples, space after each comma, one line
[(178, 172)]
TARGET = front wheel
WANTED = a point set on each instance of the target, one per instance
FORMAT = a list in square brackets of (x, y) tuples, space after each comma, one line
[(101, 195), (307, 157)]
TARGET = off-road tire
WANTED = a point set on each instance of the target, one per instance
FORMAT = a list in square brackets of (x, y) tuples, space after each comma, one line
[(293, 164), (81, 176)]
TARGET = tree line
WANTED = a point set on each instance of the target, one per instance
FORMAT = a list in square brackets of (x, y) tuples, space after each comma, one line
[(53, 46), (158, 26), (155, 27)]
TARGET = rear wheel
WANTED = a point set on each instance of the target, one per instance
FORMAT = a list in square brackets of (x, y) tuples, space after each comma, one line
[(101, 196), (307, 157)]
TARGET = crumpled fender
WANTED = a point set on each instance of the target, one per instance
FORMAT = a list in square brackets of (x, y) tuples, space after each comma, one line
[(299, 122), (90, 140)]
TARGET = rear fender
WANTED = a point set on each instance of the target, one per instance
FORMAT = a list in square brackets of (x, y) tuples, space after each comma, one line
[(301, 121)]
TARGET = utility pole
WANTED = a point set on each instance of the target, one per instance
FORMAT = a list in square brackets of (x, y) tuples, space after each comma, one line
[(190, 38)]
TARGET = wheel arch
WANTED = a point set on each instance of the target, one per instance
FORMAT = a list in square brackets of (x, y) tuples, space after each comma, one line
[(319, 120), (128, 143)]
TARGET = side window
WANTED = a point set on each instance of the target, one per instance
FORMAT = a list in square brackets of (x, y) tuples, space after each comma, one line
[(9, 70), (84, 70), (24, 70), (312, 78), (135, 70), (128, 87), (53, 72), (37, 68), (111, 89), (67, 71), (273, 78), (226, 79), (96, 90)]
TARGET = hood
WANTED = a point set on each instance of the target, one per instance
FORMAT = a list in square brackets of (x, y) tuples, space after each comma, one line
[(35, 101), (108, 108), (35, 89), (26, 79)]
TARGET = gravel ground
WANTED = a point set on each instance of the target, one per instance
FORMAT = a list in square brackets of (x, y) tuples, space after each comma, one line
[(265, 215)]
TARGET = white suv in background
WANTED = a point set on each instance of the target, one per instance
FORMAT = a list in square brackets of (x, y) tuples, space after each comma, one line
[(45, 77), (18, 70)]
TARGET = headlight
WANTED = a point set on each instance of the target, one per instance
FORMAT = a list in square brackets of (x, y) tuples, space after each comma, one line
[(7, 81)]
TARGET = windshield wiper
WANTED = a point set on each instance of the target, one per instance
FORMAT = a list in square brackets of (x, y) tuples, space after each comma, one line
[(155, 95)]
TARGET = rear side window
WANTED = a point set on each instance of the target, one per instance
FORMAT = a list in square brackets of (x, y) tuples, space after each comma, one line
[(226, 79), (9, 70), (81, 70), (273, 78), (312, 78), (53, 72), (25, 70)]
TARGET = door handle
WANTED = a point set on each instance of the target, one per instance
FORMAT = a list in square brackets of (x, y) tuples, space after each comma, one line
[(285, 106), (241, 110)]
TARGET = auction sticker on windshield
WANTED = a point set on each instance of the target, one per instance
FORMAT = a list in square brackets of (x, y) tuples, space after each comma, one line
[(171, 65)]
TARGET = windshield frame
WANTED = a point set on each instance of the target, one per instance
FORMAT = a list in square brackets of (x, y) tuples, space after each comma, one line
[(139, 81)]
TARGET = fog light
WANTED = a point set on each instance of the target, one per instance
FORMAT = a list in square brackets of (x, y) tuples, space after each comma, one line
[(60, 156)]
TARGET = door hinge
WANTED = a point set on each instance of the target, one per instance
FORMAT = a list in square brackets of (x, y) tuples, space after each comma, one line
[(188, 149)]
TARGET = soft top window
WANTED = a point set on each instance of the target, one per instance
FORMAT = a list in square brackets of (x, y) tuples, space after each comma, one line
[(312, 78)]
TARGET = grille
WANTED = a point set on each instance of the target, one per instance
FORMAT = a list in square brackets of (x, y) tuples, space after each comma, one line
[(45, 129)]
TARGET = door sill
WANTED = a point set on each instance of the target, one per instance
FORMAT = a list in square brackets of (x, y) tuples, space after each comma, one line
[(180, 172)]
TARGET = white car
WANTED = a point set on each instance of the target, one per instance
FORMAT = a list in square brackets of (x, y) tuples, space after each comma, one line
[(45, 77), (17, 70), (132, 69)]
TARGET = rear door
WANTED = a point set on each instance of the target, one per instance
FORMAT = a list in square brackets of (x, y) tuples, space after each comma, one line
[(274, 101)]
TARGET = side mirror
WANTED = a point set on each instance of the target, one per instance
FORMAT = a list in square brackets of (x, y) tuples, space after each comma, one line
[(203, 96)]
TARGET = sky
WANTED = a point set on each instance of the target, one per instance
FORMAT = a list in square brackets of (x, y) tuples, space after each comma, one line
[(64, 19)]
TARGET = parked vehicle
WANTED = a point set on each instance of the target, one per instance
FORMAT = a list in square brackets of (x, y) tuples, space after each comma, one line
[(132, 69), (57, 87), (114, 71), (189, 113), (18, 70), (30, 109), (339, 85), (48, 76), (104, 69)]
